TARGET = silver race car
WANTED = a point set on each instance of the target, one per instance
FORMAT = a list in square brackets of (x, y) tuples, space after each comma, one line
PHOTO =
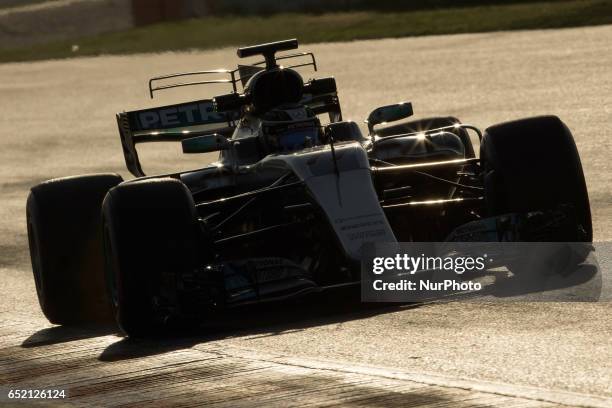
[(293, 198)]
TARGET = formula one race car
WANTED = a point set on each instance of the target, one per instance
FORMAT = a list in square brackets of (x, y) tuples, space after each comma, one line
[(294, 196)]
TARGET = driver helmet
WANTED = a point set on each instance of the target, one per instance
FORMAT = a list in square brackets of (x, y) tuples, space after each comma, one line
[(289, 128)]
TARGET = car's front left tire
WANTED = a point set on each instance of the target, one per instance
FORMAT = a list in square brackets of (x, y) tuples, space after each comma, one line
[(151, 236)]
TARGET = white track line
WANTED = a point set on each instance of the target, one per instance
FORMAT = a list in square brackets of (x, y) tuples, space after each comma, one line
[(510, 390)]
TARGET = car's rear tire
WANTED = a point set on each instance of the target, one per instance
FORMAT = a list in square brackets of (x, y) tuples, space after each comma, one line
[(533, 164), (151, 236), (65, 239)]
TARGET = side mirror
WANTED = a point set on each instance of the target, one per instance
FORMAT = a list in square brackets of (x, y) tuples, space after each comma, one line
[(205, 144), (389, 113)]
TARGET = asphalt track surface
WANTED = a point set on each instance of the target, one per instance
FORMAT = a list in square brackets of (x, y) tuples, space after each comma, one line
[(58, 119)]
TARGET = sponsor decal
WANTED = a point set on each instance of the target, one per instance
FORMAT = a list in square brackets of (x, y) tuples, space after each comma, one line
[(174, 116)]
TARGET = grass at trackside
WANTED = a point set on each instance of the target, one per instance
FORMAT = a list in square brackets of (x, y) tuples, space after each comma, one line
[(213, 32), (6, 4)]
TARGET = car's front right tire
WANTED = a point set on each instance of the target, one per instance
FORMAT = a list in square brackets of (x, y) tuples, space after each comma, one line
[(532, 164), (151, 237)]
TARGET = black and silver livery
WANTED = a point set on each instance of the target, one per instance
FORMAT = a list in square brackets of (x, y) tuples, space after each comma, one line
[(295, 194)]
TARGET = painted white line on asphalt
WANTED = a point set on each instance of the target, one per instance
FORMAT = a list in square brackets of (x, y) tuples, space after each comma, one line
[(510, 390)]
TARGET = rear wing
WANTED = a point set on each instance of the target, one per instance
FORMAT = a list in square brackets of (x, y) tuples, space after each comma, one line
[(170, 123), (174, 123)]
